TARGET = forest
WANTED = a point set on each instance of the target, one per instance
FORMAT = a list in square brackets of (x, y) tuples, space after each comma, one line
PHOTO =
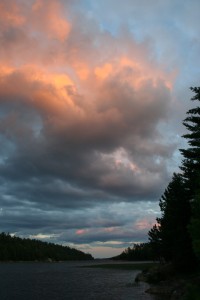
[(14, 248), (138, 252)]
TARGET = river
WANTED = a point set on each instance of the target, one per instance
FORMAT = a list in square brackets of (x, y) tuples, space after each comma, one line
[(68, 281)]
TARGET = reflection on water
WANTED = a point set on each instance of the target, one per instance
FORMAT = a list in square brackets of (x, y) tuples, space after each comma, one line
[(68, 281)]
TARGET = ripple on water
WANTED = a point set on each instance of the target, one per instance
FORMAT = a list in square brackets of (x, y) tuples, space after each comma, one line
[(68, 281)]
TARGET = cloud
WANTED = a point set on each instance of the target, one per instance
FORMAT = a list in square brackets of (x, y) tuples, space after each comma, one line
[(43, 121), (114, 225), (47, 17), (83, 115)]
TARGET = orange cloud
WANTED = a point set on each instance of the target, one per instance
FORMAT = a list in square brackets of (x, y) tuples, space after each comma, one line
[(10, 14), (104, 71), (46, 16)]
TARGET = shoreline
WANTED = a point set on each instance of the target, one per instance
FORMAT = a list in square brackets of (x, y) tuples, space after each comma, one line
[(168, 284)]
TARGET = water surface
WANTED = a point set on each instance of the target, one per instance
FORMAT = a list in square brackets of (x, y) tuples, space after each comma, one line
[(68, 281)]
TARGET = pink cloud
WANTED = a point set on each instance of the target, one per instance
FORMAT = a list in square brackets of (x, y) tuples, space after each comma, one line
[(144, 224), (82, 231), (10, 14)]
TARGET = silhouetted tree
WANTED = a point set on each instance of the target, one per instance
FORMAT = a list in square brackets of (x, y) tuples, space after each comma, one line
[(139, 252), (194, 227), (191, 162), (191, 168), (156, 242), (180, 203), (176, 245)]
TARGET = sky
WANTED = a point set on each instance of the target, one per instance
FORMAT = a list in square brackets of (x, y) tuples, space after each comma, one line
[(92, 98)]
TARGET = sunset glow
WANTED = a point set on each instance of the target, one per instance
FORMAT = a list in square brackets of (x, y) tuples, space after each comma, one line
[(89, 106)]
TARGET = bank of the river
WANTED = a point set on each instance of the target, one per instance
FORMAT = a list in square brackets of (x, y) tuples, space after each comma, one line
[(170, 285)]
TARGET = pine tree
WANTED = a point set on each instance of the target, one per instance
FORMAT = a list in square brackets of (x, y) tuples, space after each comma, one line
[(171, 236), (195, 226), (179, 226), (155, 241), (191, 169), (191, 162)]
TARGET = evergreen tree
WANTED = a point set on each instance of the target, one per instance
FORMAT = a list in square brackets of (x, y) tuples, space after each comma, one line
[(139, 252), (176, 245), (191, 162), (180, 203), (191, 168), (195, 226), (156, 242)]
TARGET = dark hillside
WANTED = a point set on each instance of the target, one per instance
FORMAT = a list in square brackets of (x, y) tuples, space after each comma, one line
[(18, 249)]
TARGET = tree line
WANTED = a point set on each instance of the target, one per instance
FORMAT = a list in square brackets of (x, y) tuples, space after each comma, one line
[(176, 236), (138, 252), (14, 248)]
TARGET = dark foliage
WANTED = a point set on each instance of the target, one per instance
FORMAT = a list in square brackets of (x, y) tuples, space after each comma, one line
[(171, 236), (191, 162), (194, 226), (156, 242), (176, 237), (139, 252), (18, 249)]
